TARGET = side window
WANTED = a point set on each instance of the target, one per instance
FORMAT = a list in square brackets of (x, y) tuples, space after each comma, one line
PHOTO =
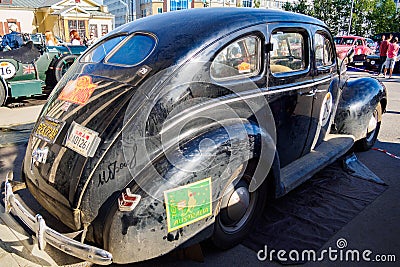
[(289, 52), (323, 51), (239, 59)]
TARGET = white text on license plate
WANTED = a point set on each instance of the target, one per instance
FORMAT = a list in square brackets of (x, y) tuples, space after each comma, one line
[(82, 140)]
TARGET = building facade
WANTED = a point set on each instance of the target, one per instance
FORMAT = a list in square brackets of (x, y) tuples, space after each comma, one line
[(58, 16)]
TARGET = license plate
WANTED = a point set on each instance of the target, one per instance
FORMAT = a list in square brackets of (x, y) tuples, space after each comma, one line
[(82, 140), (358, 63), (48, 129)]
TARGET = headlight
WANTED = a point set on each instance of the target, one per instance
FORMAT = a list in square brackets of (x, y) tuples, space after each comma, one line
[(372, 62)]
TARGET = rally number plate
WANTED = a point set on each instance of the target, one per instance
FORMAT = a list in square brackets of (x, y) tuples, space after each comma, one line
[(48, 129), (82, 140)]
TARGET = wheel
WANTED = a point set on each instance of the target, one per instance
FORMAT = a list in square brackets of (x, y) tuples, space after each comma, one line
[(372, 130), (239, 210), (63, 65), (3, 94)]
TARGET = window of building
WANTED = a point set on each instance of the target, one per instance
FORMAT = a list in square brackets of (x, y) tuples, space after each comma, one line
[(246, 3), (178, 4), (159, 10), (323, 51), (78, 25), (143, 13), (289, 52), (104, 29), (93, 30), (239, 59)]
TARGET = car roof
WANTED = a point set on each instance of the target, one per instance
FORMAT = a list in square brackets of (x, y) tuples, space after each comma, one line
[(181, 33), (211, 19)]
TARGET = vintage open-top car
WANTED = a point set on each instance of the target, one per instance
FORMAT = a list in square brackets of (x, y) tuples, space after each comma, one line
[(34, 68), (160, 137)]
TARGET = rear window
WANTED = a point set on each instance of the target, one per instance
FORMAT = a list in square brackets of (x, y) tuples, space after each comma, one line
[(133, 51), (100, 51), (122, 50)]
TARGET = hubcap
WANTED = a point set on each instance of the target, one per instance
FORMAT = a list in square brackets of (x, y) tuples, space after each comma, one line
[(238, 207), (238, 204)]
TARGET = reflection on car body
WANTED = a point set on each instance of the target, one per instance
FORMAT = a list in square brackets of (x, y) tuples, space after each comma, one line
[(34, 68), (160, 137)]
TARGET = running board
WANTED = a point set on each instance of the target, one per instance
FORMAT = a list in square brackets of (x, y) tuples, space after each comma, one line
[(333, 147)]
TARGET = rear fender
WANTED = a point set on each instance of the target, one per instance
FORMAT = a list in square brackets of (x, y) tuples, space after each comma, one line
[(358, 101), (215, 154)]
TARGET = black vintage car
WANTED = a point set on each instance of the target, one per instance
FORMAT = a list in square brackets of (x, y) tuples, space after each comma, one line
[(372, 63), (179, 127)]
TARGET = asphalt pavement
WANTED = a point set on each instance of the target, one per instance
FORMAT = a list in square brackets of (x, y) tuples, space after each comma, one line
[(376, 228)]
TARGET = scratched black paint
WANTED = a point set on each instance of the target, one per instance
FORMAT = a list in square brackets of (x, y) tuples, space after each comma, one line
[(91, 185)]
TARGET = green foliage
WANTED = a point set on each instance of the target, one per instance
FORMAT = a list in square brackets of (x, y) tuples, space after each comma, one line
[(368, 17)]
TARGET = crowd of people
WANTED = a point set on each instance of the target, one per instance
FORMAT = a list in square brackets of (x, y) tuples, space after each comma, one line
[(388, 52), (14, 39)]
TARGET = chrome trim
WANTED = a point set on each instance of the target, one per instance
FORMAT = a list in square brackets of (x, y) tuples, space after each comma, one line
[(45, 234)]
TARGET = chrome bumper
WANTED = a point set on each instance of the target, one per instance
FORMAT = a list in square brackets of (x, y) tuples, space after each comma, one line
[(44, 234)]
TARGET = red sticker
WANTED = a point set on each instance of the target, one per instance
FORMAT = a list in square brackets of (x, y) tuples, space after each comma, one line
[(78, 91)]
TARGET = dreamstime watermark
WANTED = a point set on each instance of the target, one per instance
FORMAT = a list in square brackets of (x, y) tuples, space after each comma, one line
[(340, 253)]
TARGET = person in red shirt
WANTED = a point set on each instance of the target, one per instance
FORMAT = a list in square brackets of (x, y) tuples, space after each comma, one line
[(392, 52), (383, 48)]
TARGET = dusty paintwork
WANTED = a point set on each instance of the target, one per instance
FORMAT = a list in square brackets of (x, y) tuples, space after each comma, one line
[(165, 121)]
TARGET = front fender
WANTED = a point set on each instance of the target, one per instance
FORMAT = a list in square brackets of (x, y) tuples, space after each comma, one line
[(358, 100)]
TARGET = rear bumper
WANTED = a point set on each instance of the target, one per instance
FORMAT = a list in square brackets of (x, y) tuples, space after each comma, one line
[(45, 234)]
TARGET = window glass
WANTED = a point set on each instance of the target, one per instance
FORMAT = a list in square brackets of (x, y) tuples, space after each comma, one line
[(239, 59), (288, 52), (98, 53), (323, 51), (133, 51)]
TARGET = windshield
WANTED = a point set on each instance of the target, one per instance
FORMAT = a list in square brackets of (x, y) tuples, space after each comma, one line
[(343, 41)]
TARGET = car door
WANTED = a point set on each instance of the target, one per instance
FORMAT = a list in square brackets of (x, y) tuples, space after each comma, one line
[(290, 89), (325, 88)]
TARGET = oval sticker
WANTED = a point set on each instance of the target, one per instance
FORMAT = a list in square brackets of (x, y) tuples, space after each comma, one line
[(7, 69)]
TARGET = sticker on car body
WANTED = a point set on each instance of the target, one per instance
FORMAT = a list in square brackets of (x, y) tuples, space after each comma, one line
[(78, 91), (7, 69), (40, 155), (82, 140), (188, 204), (48, 129)]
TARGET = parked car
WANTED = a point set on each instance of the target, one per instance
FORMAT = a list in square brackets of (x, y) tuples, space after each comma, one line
[(372, 63), (359, 44), (160, 137), (35, 68)]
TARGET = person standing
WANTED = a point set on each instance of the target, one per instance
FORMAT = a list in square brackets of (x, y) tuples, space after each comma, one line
[(383, 48), (75, 38), (393, 50), (50, 39), (12, 40)]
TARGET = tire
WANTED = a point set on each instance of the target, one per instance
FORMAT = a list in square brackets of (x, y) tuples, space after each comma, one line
[(233, 223), (63, 65), (372, 130), (3, 94)]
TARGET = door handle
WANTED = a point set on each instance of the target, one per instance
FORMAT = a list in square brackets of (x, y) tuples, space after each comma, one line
[(310, 93)]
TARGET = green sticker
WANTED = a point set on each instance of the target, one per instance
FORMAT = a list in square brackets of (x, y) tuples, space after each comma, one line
[(188, 204)]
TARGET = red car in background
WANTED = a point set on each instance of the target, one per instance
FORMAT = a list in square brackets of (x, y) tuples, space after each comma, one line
[(361, 48)]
